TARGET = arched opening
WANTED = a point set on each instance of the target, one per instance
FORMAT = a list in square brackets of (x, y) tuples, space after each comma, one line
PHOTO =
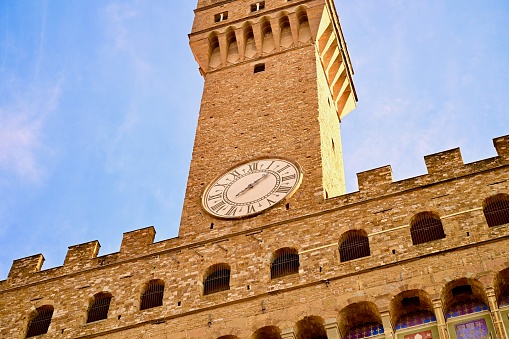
[(268, 39), (304, 29), (311, 328), (286, 32), (233, 50), (360, 320), (414, 308), (425, 227), (267, 332), (217, 279), (496, 210), (228, 337), (285, 262), (99, 307), (214, 51), (152, 296), (353, 245), (249, 40), (39, 321)]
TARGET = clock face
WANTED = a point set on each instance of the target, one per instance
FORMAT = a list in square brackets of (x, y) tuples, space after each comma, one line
[(251, 187)]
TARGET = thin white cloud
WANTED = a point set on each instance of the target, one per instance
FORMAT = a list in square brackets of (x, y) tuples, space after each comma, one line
[(21, 133)]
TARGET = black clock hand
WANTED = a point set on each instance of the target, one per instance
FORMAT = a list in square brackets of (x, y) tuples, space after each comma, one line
[(251, 185)]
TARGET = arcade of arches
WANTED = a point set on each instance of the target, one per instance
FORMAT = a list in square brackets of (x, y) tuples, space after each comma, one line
[(465, 309)]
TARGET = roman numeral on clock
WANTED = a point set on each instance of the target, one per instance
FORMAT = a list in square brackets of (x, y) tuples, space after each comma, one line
[(231, 211), (250, 209), (253, 166), (289, 177), (235, 174), (283, 168), (215, 196), (283, 189), (218, 206)]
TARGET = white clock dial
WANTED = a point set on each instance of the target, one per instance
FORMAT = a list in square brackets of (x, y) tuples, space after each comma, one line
[(251, 187)]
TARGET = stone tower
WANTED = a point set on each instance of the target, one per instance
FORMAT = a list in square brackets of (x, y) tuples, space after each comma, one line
[(270, 245), (278, 81)]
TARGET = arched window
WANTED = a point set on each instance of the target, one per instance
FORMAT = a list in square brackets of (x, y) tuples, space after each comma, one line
[(153, 295), (285, 262), (426, 226), (217, 280), (496, 210), (354, 245), (99, 308), (40, 321), (267, 332)]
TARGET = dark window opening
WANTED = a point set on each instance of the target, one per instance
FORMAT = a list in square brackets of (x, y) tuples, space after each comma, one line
[(411, 302), (496, 210), (258, 6), (40, 321), (218, 280), (355, 245), (426, 227), (464, 290), (259, 68), (286, 262), (220, 17), (153, 295), (99, 308)]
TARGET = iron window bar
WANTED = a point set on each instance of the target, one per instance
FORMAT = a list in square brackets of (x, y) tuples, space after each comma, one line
[(496, 211), (40, 323), (100, 307), (153, 295), (217, 281), (353, 247), (286, 263), (426, 227)]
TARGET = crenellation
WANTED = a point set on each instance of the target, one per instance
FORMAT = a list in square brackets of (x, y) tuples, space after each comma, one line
[(376, 181), (81, 255), (444, 164), (136, 242), (24, 267), (502, 146)]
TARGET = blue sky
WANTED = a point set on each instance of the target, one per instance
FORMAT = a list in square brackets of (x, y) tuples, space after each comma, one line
[(99, 102)]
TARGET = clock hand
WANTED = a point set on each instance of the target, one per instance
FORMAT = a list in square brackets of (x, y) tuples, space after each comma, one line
[(251, 185)]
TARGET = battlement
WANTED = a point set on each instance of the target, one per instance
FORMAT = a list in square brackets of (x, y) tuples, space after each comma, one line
[(445, 165), (373, 184)]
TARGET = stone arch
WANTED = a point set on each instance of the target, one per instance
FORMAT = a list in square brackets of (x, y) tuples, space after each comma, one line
[(411, 303), (311, 327), (463, 290), (284, 261), (99, 306), (304, 28), (216, 278), (268, 44), (232, 48), (250, 50), (285, 36), (496, 209), (425, 227), (39, 321), (151, 294), (214, 50), (353, 244), (360, 317), (267, 332)]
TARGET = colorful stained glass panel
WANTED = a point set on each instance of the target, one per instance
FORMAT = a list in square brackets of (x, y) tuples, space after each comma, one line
[(474, 329), (421, 335)]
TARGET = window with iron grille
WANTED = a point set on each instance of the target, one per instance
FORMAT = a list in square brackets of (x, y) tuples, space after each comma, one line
[(425, 227), (496, 210), (355, 245), (153, 295), (285, 262), (99, 308), (217, 280), (40, 321)]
